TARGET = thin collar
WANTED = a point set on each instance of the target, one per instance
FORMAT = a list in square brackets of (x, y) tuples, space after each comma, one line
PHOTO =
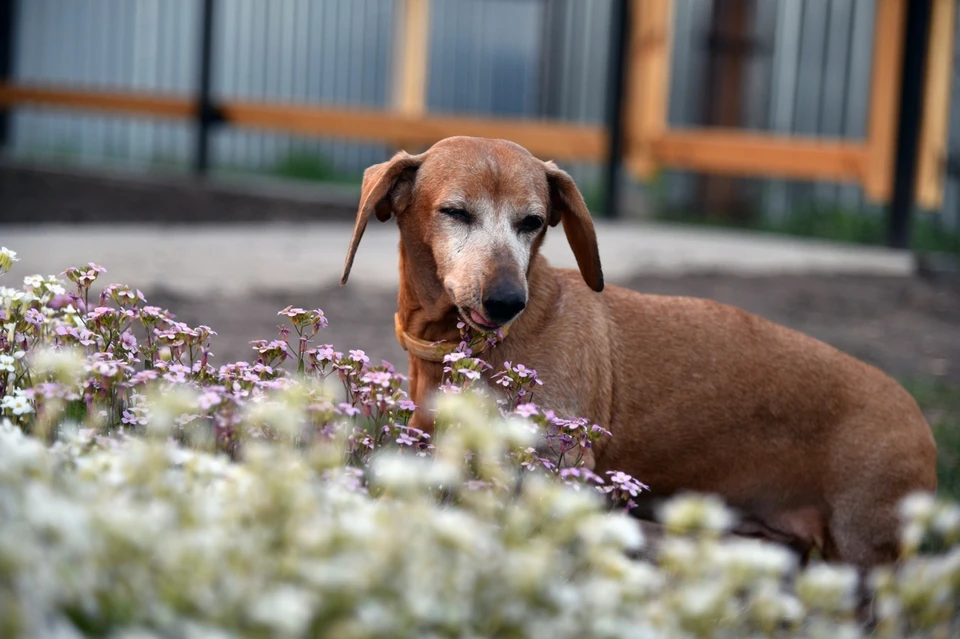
[(433, 351)]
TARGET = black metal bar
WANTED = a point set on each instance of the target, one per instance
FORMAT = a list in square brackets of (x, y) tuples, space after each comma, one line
[(207, 113), (616, 85), (908, 128), (7, 20)]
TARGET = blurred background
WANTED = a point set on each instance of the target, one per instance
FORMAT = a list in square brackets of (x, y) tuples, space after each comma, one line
[(784, 67), (211, 151)]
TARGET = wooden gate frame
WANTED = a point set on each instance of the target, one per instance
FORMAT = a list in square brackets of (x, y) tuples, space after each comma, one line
[(651, 144)]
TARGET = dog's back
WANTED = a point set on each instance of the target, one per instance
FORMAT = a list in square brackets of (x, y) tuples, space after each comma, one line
[(807, 442)]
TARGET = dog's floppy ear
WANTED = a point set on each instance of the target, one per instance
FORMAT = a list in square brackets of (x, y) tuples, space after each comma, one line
[(380, 193), (567, 206)]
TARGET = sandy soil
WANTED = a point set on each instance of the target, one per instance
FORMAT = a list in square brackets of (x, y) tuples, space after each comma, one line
[(909, 327)]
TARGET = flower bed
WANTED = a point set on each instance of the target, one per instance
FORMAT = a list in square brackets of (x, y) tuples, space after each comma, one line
[(146, 492)]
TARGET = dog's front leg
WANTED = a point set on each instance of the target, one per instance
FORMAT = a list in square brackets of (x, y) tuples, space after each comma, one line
[(425, 378)]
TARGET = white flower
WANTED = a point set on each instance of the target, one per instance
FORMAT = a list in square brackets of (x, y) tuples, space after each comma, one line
[(614, 531), (918, 507), (770, 607), (518, 433), (406, 472), (680, 554), (828, 587), (286, 609), (692, 512), (18, 404), (947, 520), (33, 281), (7, 363), (7, 258), (702, 604), (746, 559), (63, 364)]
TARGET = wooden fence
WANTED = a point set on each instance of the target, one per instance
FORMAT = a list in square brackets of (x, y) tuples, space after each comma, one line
[(648, 143)]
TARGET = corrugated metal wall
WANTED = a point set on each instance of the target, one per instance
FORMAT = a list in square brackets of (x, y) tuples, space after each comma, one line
[(531, 58)]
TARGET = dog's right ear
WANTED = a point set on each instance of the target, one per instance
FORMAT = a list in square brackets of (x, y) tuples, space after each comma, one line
[(383, 192)]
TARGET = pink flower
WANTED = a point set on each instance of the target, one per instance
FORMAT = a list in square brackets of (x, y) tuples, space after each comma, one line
[(624, 483), (209, 399), (290, 311), (348, 409), (406, 440), (527, 410), (101, 311), (176, 373), (128, 341), (359, 356), (378, 378), (34, 317)]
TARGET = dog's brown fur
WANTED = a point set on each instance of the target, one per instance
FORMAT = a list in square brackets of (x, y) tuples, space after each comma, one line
[(811, 446)]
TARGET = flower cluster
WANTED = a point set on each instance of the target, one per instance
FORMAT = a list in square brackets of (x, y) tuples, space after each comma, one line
[(121, 536), (145, 491), (112, 362)]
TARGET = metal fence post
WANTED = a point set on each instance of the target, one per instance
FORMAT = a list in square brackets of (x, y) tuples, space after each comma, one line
[(616, 85), (7, 20), (207, 113), (909, 121)]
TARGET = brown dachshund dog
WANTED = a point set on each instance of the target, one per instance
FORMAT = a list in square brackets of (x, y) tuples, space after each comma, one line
[(811, 446)]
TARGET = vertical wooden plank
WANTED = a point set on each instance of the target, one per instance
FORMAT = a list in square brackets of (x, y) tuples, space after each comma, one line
[(931, 168), (648, 83), (411, 56), (884, 99)]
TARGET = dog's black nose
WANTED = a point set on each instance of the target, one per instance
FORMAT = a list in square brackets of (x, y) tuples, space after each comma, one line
[(503, 302)]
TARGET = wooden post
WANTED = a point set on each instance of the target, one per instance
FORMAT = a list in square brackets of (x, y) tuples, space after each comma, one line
[(884, 99), (904, 178), (411, 57), (932, 158), (6, 61), (648, 83), (206, 115), (616, 76), (728, 45)]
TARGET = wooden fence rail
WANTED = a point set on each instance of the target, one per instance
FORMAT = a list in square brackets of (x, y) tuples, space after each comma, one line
[(649, 143)]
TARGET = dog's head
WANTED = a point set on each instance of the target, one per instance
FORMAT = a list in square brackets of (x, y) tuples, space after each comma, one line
[(478, 209)]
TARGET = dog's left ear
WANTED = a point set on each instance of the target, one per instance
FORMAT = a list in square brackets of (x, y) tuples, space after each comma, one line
[(386, 186), (567, 206)]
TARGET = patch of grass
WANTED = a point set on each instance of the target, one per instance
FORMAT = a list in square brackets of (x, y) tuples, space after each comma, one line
[(594, 197), (940, 402), (311, 167)]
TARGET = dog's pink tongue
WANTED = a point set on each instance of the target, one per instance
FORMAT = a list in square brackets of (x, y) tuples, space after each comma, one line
[(480, 319)]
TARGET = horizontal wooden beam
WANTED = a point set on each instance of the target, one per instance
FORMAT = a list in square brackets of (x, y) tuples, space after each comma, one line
[(157, 106), (553, 140), (549, 140), (726, 152)]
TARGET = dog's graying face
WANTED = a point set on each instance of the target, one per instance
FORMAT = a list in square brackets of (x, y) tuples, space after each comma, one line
[(482, 212), (479, 209)]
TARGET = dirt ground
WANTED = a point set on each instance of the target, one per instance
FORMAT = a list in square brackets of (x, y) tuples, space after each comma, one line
[(909, 327)]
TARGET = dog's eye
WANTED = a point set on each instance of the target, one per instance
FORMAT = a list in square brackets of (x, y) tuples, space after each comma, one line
[(458, 214), (530, 224)]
